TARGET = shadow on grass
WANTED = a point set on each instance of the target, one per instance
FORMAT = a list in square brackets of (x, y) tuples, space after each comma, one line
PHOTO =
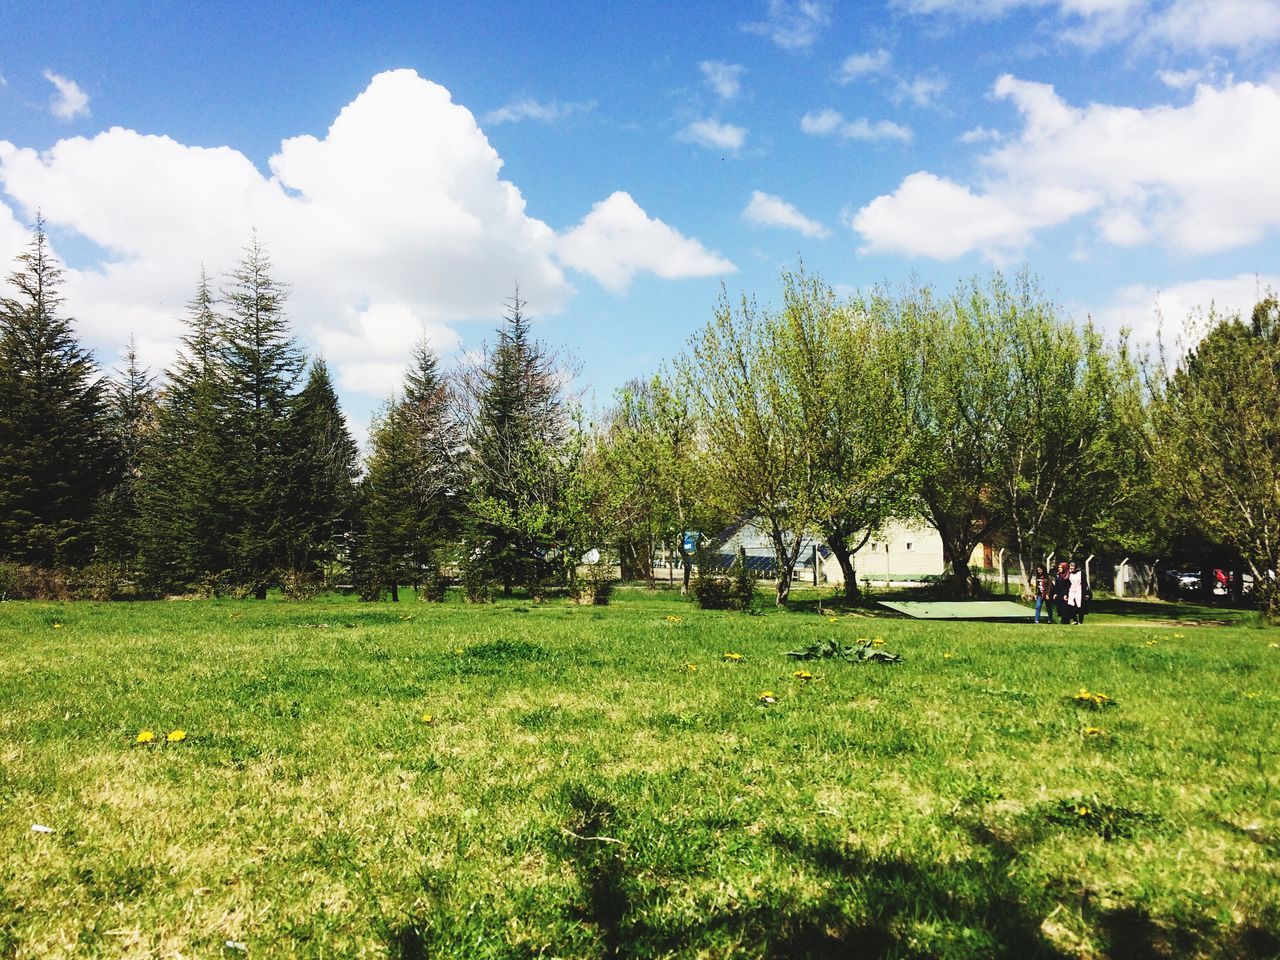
[(868, 905)]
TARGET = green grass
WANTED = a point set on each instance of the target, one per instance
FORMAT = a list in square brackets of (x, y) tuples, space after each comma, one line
[(582, 793)]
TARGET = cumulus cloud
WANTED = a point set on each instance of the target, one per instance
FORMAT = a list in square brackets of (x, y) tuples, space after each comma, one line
[(828, 122), (770, 211), (617, 240), (714, 135), (861, 64), (793, 24), (980, 134), (526, 108), (69, 101), (1197, 178), (725, 79), (394, 224)]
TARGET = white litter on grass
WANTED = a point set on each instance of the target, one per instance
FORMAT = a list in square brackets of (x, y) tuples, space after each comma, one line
[(40, 828), (237, 945)]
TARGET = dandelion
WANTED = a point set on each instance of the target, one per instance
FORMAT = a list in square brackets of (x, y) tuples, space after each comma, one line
[(1251, 696), (1094, 732), (672, 618), (690, 667), (427, 718), (833, 619), (176, 736), (1082, 811), (1177, 636), (767, 697), (948, 655), (803, 675), (733, 657), (145, 736), (877, 641), (1151, 643), (458, 651), (1093, 700), (57, 626)]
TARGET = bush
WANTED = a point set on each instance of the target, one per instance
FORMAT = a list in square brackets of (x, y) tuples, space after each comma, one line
[(433, 586), (300, 584), (710, 592), (596, 588), (477, 584), (103, 581), (18, 582)]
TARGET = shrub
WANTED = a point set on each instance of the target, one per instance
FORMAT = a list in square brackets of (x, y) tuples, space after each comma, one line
[(477, 584), (18, 582), (300, 584), (718, 591), (433, 586), (102, 581), (596, 587)]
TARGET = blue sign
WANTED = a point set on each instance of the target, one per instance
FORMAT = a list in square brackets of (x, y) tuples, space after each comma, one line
[(690, 542)]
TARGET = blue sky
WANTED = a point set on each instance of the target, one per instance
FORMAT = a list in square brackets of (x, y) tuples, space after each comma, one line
[(409, 163)]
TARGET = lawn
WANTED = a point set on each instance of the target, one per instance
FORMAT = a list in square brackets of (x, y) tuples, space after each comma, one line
[(520, 780)]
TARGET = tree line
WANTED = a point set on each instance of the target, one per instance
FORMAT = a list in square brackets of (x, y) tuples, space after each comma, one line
[(985, 411)]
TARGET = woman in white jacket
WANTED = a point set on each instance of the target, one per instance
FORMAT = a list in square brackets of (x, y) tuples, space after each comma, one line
[(1075, 595)]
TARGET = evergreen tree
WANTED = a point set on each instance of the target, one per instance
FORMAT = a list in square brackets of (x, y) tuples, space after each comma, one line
[(262, 365), (516, 432), (409, 494), (321, 493), (131, 411), (55, 456), (183, 465)]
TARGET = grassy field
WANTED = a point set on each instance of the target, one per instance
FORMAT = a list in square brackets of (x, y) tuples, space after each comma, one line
[(522, 780)]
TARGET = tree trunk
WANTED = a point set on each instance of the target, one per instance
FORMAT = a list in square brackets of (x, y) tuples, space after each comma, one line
[(963, 584), (395, 593), (260, 592), (786, 562), (686, 571), (844, 557)]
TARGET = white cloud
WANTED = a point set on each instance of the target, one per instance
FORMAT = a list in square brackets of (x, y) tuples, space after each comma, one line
[(1142, 308), (1198, 178), (828, 122), (922, 90), (793, 24), (714, 135), (980, 134), (725, 79), (395, 222), (771, 211), (1176, 24), (861, 64), (526, 108), (69, 101), (617, 240)]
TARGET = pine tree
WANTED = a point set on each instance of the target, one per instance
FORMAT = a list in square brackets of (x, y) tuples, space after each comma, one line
[(321, 488), (409, 494), (262, 366), (517, 430), (131, 411), (55, 457), (183, 477)]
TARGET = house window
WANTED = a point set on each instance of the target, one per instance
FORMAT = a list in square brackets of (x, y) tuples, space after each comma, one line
[(908, 546)]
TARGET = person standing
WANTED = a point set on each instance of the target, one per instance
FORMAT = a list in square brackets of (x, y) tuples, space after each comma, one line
[(1061, 590), (1075, 593), (1043, 585)]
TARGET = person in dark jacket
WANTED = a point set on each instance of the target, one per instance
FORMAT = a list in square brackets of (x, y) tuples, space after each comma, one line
[(1061, 591), (1043, 585)]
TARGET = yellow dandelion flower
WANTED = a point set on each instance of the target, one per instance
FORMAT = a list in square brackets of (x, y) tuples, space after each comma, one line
[(877, 641), (672, 618), (833, 619), (733, 657), (803, 675), (767, 696), (176, 736), (57, 626), (145, 736), (1177, 636), (427, 718), (690, 667), (1251, 696), (1082, 811), (1094, 732), (458, 651), (948, 655)]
